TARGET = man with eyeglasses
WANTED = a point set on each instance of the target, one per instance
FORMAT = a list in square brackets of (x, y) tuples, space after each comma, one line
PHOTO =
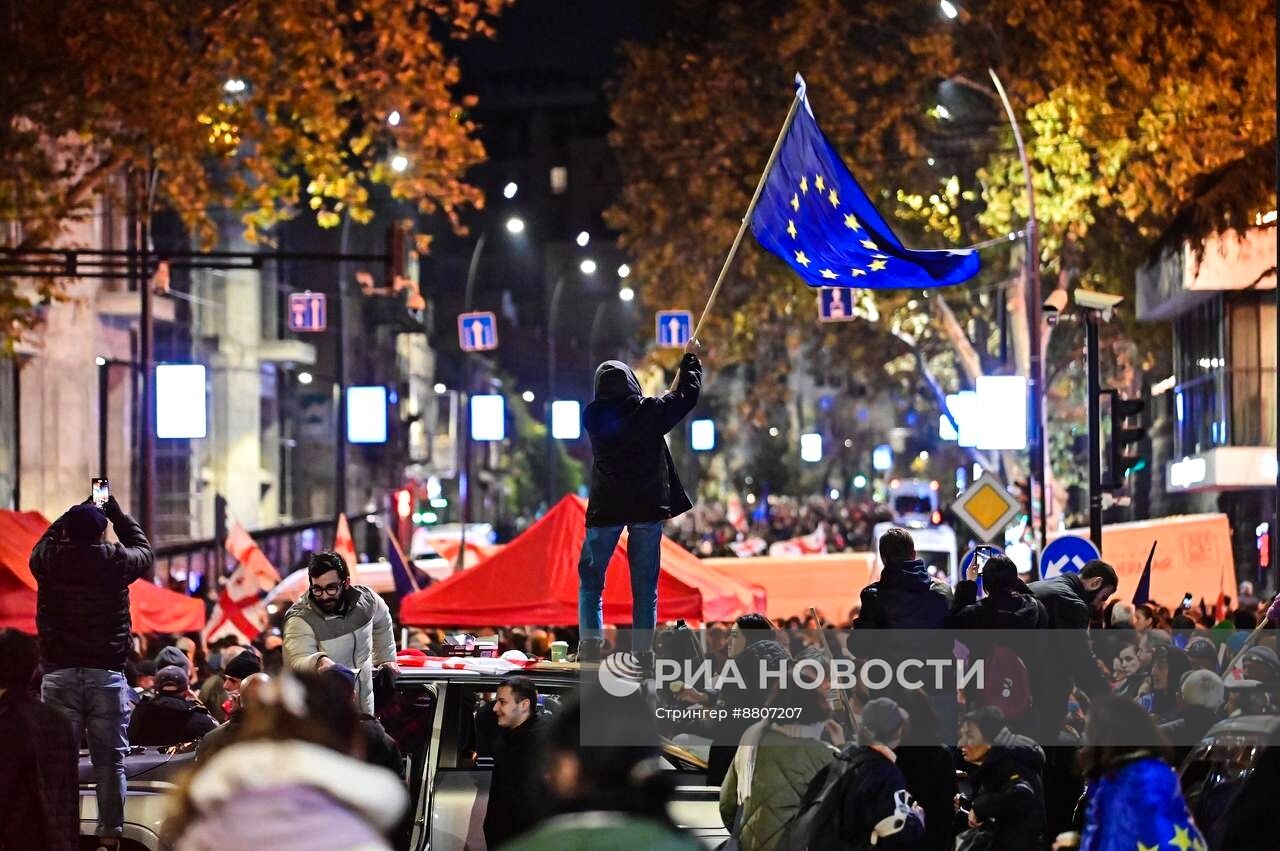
[(338, 623)]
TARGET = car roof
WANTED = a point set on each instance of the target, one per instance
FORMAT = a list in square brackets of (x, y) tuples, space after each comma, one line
[(563, 673), (1261, 725)]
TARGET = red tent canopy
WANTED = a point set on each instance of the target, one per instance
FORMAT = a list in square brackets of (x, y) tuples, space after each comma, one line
[(152, 608), (534, 580)]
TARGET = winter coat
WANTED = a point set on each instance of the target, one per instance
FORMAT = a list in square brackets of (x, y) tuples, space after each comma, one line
[(359, 637), (1138, 801), (904, 598), (1008, 793), (290, 796), (219, 737), (751, 694), (588, 831), (515, 787), (781, 764), (1068, 644), (82, 601), (39, 762), (1014, 620), (633, 479), (1188, 726), (876, 804), (166, 720), (930, 772)]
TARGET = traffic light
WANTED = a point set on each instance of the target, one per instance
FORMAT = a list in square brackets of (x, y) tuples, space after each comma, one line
[(404, 503), (1128, 430)]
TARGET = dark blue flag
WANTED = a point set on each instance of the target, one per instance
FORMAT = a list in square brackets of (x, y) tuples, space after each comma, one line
[(815, 216), (403, 571), (1142, 594)]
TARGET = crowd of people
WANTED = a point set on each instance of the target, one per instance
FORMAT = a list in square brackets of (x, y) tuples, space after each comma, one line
[(1076, 746), (712, 526)]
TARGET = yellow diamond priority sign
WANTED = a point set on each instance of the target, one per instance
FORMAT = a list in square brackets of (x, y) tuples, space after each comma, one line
[(986, 507)]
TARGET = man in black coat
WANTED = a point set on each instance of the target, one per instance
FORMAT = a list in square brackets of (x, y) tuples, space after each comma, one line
[(1070, 599), (515, 799), (171, 716), (82, 615), (633, 485)]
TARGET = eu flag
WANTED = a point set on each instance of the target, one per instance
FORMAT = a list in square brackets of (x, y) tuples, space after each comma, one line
[(815, 216)]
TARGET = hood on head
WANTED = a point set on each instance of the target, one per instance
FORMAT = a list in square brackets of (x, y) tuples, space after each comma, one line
[(615, 380), (906, 575)]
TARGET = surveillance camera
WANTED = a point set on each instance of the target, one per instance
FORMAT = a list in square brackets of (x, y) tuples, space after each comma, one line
[(1096, 301), (1054, 304)]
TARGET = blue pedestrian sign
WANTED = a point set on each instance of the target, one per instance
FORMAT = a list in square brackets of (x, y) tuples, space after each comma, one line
[(1067, 554), (477, 332), (675, 327), (835, 304), (307, 312)]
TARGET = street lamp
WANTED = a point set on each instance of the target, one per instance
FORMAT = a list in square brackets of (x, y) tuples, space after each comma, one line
[(509, 191), (304, 378), (949, 9), (588, 266), (583, 239), (527, 395), (515, 225), (399, 163), (624, 271), (440, 389), (394, 118), (626, 294)]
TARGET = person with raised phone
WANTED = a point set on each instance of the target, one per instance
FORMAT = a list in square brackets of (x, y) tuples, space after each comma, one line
[(634, 485)]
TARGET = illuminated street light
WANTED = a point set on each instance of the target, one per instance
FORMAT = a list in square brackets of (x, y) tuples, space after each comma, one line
[(394, 118), (624, 270), (234, 86), (949, 9), (399, 162), (440, 389), (626, 294), (588, 266), (527, 395), (583, 239), (515, 224), (100, 361), (304, 378), (510, 190)]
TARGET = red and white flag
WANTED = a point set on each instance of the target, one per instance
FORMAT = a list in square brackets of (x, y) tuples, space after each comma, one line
[(748, 548), (245, 550), (241, 609), (805, 545), (344, 545), (734, 513)]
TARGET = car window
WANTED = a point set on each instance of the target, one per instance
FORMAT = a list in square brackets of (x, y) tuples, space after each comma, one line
[(408, 717), (474, 728)]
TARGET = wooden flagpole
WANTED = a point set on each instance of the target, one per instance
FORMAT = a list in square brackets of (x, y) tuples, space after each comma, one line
[(746, 221)]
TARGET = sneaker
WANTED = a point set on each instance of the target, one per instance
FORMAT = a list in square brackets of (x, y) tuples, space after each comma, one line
[(591, 650)]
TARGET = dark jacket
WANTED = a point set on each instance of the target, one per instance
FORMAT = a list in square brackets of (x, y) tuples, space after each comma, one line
[(515, 799), (875, 801), (1068, 643), (930, 772), (166, 720), (82, 604), (1008, 793), (39, 764), (219, 737), (633, 479), (726, 734), (1013, 619), (1188, 726), (905, 597)]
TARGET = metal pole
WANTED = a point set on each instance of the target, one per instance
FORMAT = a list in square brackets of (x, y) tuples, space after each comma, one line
[(147, 357), (464, 479), (553, 309), (102, 418), (340, 367), (1095, 429), (17, 434), (1035, 368)]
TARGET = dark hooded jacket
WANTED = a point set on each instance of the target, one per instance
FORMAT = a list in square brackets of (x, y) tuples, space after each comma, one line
[(633, 479), (1008, 793), (82, 602), (909, 602), (1067, 641), (1013, 619)]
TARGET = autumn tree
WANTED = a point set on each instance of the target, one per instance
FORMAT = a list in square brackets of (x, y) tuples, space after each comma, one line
[(1140, 117), (269, 109)]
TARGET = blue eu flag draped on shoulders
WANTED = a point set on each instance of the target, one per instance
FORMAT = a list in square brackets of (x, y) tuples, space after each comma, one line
[(815, 216)]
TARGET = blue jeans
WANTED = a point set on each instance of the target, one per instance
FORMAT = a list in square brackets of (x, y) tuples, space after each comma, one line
[(644, 544), (97, 701)]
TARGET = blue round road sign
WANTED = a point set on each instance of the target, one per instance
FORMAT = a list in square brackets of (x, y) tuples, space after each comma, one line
[(1067, 554)]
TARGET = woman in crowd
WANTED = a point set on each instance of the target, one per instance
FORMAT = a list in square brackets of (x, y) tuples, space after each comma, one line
[(774, 765), (291, 781), (1168, 664), (1005, 774), (1132, 798)]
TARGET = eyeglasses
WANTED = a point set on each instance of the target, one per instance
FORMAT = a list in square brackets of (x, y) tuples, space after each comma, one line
[(333, 589)]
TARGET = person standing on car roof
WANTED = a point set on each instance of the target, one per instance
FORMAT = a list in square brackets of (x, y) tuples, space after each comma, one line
[(338, 623), (82, 616), (634, 485)]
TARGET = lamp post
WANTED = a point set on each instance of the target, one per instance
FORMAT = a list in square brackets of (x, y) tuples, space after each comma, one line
[(553, 310)]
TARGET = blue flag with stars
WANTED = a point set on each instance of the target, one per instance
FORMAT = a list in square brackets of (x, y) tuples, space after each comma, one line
[(815, 216)]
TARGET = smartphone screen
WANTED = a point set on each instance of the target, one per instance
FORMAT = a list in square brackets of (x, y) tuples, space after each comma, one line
[(1186, 601), (99, 492)]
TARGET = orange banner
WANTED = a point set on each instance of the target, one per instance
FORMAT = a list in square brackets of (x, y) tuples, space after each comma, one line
[(832, 582)]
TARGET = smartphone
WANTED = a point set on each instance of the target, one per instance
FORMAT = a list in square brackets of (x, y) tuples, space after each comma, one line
[(99, 491), (980, 557), (1186, 601)]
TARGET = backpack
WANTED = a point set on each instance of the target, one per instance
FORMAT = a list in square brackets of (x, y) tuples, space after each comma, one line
[(1007, 683), (816, 823)]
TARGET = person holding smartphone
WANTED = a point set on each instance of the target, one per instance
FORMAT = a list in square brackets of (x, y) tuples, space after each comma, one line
[(82, 616)]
